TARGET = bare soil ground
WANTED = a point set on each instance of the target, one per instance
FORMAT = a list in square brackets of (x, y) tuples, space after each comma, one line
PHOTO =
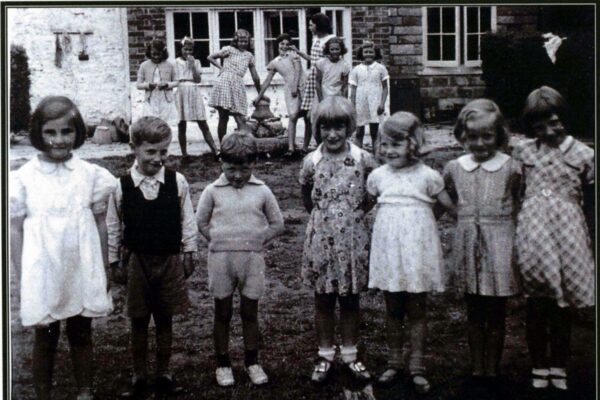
[(286, 318)]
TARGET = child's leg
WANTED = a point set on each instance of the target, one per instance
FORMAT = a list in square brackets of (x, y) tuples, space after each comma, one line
[(249, 314), (324, 322), (223, 120), (223, 311), (181, 130), (416, 308), (307, 129), (494, 340), (360, 134), (240, 120), (164, 341), (536, 330), (560, 335), (395, 305), (292, 132), (139, 346), (207, 136), (44, 350), (349, 325), (79, 333), (373, 128), (476, 332)]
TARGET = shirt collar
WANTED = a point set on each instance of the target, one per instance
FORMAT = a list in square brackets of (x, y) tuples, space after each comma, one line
[(222, 181), (138, 177), (48, 167), (355, 152), (492, 165), (566, 144)]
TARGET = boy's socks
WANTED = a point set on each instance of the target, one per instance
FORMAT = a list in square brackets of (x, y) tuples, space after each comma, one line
[(327, 353), (250, 357), (223, 360), (349, 354)]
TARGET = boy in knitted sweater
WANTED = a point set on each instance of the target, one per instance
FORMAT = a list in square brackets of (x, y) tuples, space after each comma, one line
[(237, 214)]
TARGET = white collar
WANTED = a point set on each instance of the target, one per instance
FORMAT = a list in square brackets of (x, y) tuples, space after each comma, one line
[(355, 152), (566, 144), (48, 166), (222, 181), (492, 165), (138, 177)]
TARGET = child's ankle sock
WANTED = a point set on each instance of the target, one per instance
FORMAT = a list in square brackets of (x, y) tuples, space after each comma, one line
[(327, 353), (250, 357), (223, 360), (348, 354)]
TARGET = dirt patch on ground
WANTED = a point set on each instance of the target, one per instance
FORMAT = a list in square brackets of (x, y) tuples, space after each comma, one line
[(286, 316)]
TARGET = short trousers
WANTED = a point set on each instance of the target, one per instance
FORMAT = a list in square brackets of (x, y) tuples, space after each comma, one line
[(228, 270), (156, 284)]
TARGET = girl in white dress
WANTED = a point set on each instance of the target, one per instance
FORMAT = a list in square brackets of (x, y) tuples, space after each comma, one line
[(406, 253), (59, 242)]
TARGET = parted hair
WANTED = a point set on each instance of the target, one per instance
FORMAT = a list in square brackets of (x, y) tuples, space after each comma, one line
[(479, 109), (239, 147), (149, 129), (400, 126), (332, 110), (157, 44), (337, 40), (54, 107), (542, 103)]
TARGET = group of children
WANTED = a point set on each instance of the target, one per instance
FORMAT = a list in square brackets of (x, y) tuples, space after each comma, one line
[(71, 219), (329, 75)]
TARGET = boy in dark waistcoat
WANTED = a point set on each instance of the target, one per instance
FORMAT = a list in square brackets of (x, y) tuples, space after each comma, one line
[(150, 221)]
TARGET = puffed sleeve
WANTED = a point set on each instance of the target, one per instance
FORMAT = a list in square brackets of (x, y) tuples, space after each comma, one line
[(104, 185), (373, 183), (353, 77), (272, 66), (17, 195), (435, 183), (307, 171)]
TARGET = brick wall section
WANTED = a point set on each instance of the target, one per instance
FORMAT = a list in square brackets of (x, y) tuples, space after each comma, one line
[(517, 18), (371, 23), (406, 49), (143, 23)]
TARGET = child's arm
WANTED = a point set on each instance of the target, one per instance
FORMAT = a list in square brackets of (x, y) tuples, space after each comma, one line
[(274, 217), (297, 71), (189, 229), (212, 58), (16, 242), (204, 212), (446, 202), (353, 94), (318, 82), (300, 53), (100, 219), (117, 255), (265, 85), (195, 72), (306, 197), (172, 82), (345, 85), (384, 95), (141, 83), (255, 77)]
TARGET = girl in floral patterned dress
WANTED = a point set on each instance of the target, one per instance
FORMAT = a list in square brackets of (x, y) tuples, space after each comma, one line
[(229, 93), (553, 245), (335, 260)]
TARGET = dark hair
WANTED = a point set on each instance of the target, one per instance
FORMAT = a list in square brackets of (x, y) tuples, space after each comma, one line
[(479, 109), (332, 110), (54, 107), (322, 22), (239, 147), (237, 34), (403, 125), (149, 129), (337, 40), (157, 44), (359, 52), (282, 37), (542, 103)]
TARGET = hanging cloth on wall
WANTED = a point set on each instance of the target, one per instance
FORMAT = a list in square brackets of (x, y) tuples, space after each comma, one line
[(58, 53), (66, 43)]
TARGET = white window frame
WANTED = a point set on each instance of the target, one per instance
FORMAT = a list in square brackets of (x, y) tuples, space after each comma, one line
[(460, 51), (346, 28), (476, 63), (301, 33)]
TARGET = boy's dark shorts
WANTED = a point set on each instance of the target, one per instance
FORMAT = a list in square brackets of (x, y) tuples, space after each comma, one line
[(155, 284)]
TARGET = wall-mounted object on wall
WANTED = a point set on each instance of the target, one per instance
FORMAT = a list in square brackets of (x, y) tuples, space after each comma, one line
[(61, 48)]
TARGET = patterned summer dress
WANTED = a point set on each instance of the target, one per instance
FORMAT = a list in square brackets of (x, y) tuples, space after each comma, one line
[(483, 248), (316, 52), (553, 244), (369, 81), (336, 249), (188, 98), (229, 91), (406, 252)]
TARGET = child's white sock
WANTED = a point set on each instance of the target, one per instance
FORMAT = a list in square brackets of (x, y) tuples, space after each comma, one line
[(327, 353), (559, 378), (539, 379), (349, 353)]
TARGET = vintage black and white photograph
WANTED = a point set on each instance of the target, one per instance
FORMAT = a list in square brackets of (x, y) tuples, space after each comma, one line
[(301, 201)]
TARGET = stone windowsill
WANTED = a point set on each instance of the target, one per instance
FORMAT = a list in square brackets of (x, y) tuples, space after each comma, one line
[(460, 70)]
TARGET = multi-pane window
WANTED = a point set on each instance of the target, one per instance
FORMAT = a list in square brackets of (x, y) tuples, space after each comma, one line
[(195, 26), (231, 21), (276, 23), (452, 34)]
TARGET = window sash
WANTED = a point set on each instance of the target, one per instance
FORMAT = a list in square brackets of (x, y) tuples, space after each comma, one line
[(477, 32), (441, 63), (344, 26)]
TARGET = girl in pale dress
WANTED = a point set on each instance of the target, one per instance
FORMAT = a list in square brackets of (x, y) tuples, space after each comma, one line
[(229, 93), (188, 99), (368, 91), (406, 253), (288, 65), (335, 258), (156, 77), (484, 186), (59, 242), (554, 252)]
